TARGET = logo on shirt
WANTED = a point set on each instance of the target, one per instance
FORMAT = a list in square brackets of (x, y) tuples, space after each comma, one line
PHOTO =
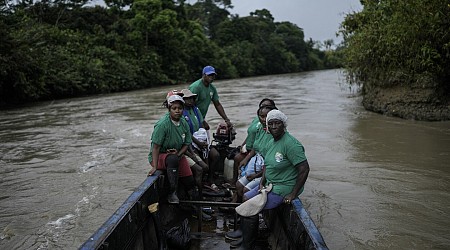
[(278, 157), (211, 94), (183, 136)]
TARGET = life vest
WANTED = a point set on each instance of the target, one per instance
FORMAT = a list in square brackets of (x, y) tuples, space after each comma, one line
[(197, 115)]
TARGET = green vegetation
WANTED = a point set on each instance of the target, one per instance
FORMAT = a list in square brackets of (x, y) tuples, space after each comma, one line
[(56, 49), (401, 46)]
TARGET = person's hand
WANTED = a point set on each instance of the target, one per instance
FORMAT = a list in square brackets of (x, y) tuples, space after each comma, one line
[(172, 151), (203, 145), (228, 122), (250, 177), (288, 198), (243, 149), (261, 186), (205, 125), (152, 170)]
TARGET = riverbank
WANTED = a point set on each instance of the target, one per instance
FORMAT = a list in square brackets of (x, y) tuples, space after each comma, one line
[(407, 103)]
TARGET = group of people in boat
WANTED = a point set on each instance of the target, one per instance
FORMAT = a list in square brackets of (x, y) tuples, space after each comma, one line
[(180, 143), (273, 156)]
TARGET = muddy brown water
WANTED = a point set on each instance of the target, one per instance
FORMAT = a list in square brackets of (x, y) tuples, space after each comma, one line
[(376, 182)]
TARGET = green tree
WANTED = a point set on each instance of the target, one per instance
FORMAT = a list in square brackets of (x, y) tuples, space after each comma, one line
[(394, 42), (63, 48), (209, 14), (400, 45), (294, 39)]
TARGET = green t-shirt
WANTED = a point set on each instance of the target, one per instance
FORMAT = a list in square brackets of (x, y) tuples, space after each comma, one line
[(168, 135), (251, 133), (280, 159), (204, 95), (262, 140)]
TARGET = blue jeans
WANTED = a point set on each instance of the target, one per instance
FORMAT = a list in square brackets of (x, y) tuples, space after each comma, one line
[(273, 200)]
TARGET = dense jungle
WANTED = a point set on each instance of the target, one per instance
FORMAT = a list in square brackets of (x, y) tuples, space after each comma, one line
[(59, 49), (399, 52), (396, 51)]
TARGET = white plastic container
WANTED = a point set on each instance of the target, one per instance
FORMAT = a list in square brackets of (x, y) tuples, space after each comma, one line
[(228, 169)]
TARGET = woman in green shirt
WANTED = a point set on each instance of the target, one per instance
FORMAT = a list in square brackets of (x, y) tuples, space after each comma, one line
[(171, 138), (250, 139), (286, 168), (252, 164)]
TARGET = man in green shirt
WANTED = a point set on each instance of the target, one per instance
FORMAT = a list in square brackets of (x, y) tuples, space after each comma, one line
[(207, 93)]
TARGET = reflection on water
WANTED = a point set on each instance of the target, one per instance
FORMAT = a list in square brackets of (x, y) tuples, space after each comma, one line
[(375, 181)]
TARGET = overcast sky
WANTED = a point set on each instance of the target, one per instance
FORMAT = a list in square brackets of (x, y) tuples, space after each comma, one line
[(319, 19)]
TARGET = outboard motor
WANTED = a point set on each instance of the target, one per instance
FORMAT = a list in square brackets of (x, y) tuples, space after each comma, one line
[(224, 135)]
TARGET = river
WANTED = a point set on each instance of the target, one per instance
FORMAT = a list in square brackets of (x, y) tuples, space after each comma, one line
[(376, 182)]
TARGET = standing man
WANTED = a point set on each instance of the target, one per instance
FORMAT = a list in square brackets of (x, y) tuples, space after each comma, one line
[(206, 92)]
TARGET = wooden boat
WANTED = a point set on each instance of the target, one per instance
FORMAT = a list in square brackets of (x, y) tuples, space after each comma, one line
[(133, 226), (142, 221)]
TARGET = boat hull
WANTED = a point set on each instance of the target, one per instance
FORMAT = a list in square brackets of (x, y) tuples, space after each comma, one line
[(132, 226), (291, 228)]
